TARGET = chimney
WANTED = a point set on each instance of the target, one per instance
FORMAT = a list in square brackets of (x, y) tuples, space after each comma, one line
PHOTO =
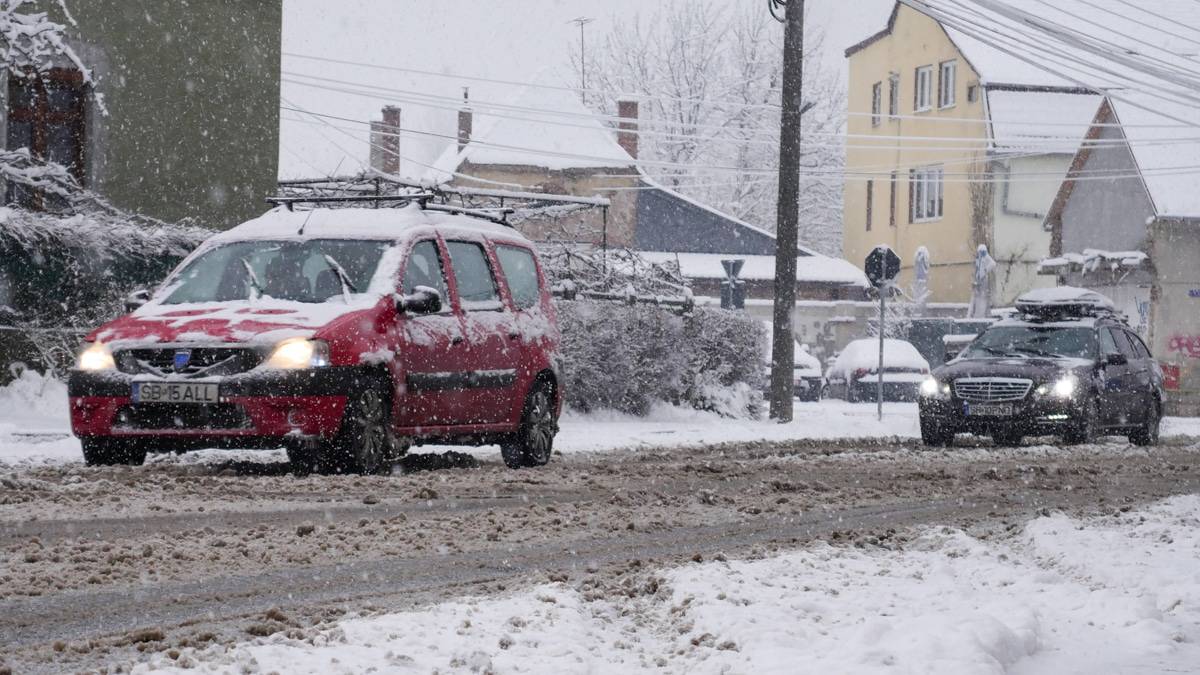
[(385, 141), (465, 121), (627, 136)]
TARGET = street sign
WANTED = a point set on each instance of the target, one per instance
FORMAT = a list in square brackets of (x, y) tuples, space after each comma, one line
[(882, 265)]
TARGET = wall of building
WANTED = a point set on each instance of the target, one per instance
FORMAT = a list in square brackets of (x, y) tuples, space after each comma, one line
[(1107, 214), (587, 225), (916, 40), (1175, 309), (1019, 241), (192, 97)]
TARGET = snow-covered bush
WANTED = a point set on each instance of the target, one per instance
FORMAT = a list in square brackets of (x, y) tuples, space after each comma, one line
[(626, 358)]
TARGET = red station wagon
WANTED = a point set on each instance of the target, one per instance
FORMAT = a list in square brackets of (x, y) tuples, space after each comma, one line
[(343, 335)]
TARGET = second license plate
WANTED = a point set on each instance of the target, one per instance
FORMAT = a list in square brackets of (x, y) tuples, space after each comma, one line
[(989, 409), (175, 392)]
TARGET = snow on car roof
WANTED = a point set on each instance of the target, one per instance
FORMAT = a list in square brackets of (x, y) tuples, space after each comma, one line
[(359, 223), (864, 353)]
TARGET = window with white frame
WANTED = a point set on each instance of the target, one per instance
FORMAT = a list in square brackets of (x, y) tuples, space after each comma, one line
[(923, 93), (946, 77), (876, 103), (925, 194), (894, 96)]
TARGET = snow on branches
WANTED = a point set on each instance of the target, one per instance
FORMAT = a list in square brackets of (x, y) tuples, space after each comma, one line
[(30, 41)]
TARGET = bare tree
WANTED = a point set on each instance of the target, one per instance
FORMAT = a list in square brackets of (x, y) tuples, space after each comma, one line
[(708, 76)]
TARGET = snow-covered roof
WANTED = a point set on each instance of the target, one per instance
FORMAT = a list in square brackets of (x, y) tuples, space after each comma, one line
[(354, 223), (814, 268), (1039, 120), (1092, 260), (568, 138), (1165, 149)]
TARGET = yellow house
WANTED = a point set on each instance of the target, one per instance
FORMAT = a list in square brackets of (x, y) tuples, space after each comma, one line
[(951, 145)]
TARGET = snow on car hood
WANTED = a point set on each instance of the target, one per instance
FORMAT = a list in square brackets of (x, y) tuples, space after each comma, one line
[(254, 321)]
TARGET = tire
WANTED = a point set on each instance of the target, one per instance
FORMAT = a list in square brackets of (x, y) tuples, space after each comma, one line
[(364, 444), (934, 434), (1147, 434), (112, 452), (1085, 431), (1007, 438), (533, 444)]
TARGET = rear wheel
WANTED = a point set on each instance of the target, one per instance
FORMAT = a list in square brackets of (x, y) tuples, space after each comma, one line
[(533, 443), (364, 445), (1147, 434), (112, 452)]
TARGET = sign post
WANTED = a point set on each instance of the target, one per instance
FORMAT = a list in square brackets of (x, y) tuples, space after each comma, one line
[(882, 266), (733, 289)]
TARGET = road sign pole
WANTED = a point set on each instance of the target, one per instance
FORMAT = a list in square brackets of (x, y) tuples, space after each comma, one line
[(882, 313)]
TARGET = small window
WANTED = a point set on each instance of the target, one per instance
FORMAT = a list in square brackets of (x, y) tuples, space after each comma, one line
[(47, 114), (876, 103), (870, 201), (892, 200), (947, 75), (1108, 343), (972, 93), (1125, 344), (925, 194), (894, 96), (473, 274), (1139, 346), (424, 268), (923, 89), (520, 271)]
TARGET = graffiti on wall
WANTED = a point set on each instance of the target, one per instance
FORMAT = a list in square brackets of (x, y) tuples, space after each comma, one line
[(1187, 345)]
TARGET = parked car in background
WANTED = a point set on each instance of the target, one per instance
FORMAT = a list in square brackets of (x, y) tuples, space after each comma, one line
[(342, 335), (854, 374), (1066, 365), (806, 370)]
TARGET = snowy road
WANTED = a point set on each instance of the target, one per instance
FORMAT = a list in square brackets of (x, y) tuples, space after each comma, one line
[(110, 565)]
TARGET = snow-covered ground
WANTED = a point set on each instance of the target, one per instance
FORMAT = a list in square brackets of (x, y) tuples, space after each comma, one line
[(1110, 594), (35, 429)]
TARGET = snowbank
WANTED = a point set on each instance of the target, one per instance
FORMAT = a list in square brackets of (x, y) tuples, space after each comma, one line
[(1040, 601)]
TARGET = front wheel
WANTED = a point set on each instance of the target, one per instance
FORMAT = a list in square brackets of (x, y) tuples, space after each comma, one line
[(112, 452), (1147, 434), (1085, 429), (934, 434), (364, 444), (534, 441)]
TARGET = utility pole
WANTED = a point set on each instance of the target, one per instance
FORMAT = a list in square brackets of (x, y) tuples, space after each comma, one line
[(788, 208), (581, 22)]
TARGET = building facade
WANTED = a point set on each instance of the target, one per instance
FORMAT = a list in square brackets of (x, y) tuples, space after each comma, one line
[(945, 151), (189, 124)]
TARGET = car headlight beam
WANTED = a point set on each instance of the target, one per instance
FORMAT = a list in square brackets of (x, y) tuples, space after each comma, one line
[(932, 388), (94, 357), (296, 353), (1065, 386)]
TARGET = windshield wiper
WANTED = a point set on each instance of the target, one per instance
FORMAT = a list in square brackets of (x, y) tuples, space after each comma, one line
[(255, 286), (347, 284), (1035, 351)]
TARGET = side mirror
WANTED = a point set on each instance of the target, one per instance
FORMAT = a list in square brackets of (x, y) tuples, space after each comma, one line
[(1115, 360), (423, 300), (136, 299)]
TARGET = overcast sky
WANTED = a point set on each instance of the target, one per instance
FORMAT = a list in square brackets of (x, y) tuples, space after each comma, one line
[(524, 40)]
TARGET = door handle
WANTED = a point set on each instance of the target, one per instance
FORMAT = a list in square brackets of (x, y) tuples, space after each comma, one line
[(456, 340), (514, 336)]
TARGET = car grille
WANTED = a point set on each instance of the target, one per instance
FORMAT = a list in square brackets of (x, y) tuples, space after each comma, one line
[(992, 388), (169, 417), (200, 362)]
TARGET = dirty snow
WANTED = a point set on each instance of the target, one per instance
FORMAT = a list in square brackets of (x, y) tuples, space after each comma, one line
[(1037, 601)]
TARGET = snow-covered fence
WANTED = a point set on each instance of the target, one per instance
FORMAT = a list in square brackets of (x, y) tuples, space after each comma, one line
[(628, 357)]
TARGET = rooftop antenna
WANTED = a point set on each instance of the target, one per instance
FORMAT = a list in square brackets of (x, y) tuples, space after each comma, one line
[(300, 232), (582, 21)]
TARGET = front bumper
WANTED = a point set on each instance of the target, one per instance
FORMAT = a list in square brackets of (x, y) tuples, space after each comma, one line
[(256, 409), (1031, 416)]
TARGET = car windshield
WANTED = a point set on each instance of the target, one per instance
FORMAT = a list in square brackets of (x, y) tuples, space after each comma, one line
[(314, 270), (1025, 341)]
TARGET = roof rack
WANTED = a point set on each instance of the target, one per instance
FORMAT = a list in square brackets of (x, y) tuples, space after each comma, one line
[(290, 202)]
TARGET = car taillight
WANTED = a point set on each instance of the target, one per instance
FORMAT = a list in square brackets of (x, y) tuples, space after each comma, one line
[(860, 372)]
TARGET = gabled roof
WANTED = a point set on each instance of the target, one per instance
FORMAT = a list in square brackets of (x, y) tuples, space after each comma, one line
[(1039, 121), (566, 136)]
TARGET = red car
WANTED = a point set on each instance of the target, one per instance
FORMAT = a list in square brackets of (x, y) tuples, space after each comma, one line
[(342, 335)]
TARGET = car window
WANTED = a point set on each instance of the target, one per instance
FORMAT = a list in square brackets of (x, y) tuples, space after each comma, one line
[(476, 283), (1139, 347), (1123, 343), (1108, 343), (520, 271), (1032, 341), (424, 268)]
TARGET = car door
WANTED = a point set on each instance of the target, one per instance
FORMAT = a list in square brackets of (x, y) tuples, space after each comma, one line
[(1115, 379), (433, 350), (491, 355), (527, 335), (1141, 376)]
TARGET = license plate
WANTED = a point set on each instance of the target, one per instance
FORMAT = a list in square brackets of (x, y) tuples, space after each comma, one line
[(175, 392), (989, 409)]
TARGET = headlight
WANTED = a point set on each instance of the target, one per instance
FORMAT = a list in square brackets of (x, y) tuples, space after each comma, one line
[(96, 356), (1065, 387), (931, 388), (299, 353)]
